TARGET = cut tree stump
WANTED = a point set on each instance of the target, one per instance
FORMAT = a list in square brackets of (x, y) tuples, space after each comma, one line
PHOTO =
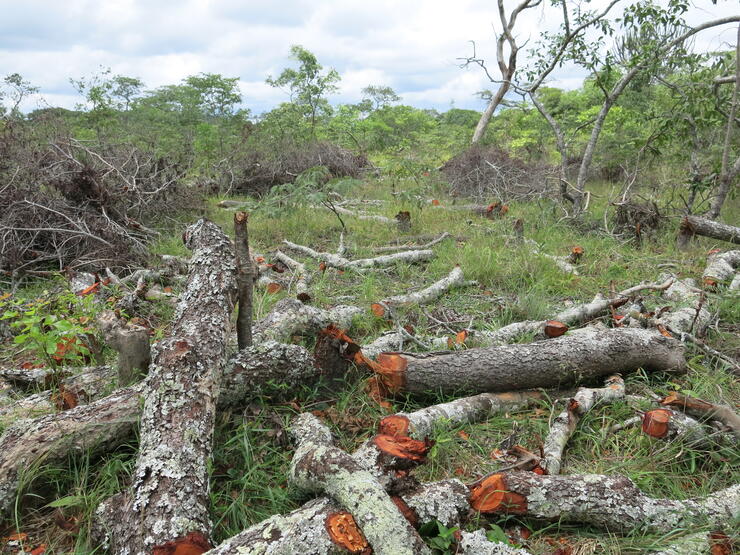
[(319, 467), (132, 344), (694, 225), (553, 363), (611, 502), (167, 504)]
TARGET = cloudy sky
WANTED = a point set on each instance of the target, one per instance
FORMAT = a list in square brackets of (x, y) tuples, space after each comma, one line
[(410, 45)]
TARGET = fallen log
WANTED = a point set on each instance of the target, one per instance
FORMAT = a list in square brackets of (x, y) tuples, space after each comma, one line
[(167, 504), (318, 466), (323, 527), (721, 267), (704, 410), (341, 263), (108, 422), (290, 316), (609, 502), (302, 277), (476, 543), (103, 424), (564, 425), (364, 215), (695, 225), (552, 363), (424, 296), (405, 246)]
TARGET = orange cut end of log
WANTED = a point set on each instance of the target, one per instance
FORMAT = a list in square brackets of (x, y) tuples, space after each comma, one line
[(714, 251), (435, 202), (322, 266), (194, 543), (273, 288), (303, 297), (491, 496), (577, 250), (394, 425), (461, 337), (345, 533), (377, 309), (554, 328), (655, 423), (664, 332), (408, 513), (391, 367), (402, 447), (64, 399), (504, 210)]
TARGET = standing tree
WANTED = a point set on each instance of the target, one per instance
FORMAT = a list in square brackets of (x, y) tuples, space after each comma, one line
[(308, 85)]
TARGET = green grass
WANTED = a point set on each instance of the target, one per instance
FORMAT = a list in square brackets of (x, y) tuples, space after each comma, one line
[(252, 453)]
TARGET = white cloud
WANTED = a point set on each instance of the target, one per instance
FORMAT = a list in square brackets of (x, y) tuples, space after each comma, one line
[(412, 46)]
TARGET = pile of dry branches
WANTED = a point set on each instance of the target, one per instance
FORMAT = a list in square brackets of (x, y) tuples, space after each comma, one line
[(486, 172)]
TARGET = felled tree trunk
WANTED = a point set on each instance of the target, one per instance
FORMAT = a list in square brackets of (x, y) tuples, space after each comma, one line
[(553, 363), (341, 263), (291, 316), (722, 267), (407, 247), (318, 466), (704, 410), (301, 277), (694, 225), (168, 502), (424, 296), (610, 502), (104, 423), (565, 423), (323, 527)]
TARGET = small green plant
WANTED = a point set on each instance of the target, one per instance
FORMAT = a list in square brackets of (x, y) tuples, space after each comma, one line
[(440, 538), (52, 329)]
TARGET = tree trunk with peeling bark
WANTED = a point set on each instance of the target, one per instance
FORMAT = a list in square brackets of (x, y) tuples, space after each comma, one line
[(168, 502), (695, 225), (318, 466), (553, 363), (610, 502)]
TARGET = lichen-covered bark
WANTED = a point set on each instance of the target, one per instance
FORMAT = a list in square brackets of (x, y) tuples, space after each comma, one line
[(722, 267), (301, 276), (304, 530), (564, 425), (318, 466), (553, 363), (341, 263), (99, 425), (290, 316), (87, 385), (476, 543), (245, 277), (616, 503), (692, 544), (690, 314), (252, 369), (169, 497)]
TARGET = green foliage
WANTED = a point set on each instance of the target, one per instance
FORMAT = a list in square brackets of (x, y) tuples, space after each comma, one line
[(437, 536), (52, 326)]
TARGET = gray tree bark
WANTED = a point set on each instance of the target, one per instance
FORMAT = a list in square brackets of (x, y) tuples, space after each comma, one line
[(553, 363), (695, 225), (245, 280), (169, 498)]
